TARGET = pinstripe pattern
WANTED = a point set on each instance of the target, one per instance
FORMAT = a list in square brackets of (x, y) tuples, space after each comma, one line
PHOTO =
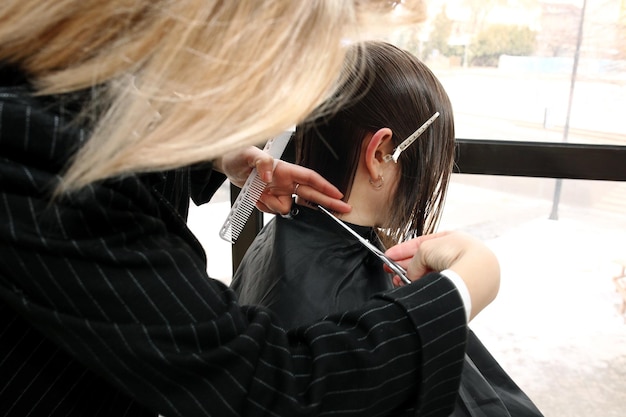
[(105, 308)]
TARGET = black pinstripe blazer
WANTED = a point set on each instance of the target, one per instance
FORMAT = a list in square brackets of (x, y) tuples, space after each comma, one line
[(106, 308)]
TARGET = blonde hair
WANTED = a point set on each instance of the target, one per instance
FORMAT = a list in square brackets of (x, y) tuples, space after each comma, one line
[(184, 80)]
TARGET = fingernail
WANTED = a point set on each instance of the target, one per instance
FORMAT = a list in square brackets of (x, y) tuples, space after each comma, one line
[(267, 176)]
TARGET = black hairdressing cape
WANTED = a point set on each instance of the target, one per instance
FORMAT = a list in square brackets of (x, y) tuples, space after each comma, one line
[(306, 267)]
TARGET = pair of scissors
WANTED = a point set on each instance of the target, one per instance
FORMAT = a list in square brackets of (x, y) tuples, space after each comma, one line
[(397, 269)]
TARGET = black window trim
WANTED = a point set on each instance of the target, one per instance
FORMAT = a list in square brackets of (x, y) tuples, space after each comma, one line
[(558, 160)]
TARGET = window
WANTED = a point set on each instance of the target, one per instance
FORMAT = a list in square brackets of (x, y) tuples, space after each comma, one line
[(544, 72), (524, 71)]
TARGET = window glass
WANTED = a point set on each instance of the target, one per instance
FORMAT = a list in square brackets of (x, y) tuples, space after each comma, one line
[(205, 222), (542, 71), (538, 71), (556, 325), (529, 70)]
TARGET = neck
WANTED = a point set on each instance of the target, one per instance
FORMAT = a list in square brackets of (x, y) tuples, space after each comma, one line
[(366, 211), (360, 214), (370, 205)]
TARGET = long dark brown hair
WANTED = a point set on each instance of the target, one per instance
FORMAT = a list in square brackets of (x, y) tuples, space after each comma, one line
[(397, 91)]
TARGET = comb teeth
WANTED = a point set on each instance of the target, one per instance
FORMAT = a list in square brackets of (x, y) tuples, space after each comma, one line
[(251, 192), (242, 207)]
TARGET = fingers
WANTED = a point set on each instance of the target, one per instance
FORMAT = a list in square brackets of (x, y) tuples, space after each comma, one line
[(261, 206), (468, 257), (418, 267), (314, 196), (281, 204), (404, 251), (238, 164), (410, 255), (473, 261), (289, 179), (264, 164), (304, 176), (439, 251), (397, 282), (272, 204)]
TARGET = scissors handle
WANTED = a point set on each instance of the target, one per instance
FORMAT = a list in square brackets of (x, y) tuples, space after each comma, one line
[(402, 274), (397, 269)]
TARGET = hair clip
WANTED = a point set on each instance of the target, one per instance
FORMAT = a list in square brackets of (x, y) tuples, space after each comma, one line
[(408, 141)]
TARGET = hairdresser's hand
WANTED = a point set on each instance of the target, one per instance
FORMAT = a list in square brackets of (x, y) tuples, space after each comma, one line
[(475, 263), (283, 180)]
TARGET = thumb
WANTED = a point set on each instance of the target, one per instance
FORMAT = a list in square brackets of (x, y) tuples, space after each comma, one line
[(418, 267), (405, 250), (264, 165)]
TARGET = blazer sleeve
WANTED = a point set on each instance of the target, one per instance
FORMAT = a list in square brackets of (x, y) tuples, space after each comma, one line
[(204, 182), (112, 277)]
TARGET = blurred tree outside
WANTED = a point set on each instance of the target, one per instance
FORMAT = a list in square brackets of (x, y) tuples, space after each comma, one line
[(456, 37), (439, 36), (498, 40)]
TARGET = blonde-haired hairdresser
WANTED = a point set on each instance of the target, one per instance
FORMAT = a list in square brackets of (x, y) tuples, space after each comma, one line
[(112, 114), (185, 80)]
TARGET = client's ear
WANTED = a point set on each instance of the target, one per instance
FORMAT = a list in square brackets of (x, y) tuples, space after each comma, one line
[(379, 145)]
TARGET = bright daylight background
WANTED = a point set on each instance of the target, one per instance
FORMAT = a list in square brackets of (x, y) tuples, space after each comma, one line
[(507, 66)]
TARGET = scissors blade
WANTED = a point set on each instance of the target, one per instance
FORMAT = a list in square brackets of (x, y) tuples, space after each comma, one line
[(397, 269), (348, 229)]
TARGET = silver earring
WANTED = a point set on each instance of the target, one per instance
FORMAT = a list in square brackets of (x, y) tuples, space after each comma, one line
[(378, 183)]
